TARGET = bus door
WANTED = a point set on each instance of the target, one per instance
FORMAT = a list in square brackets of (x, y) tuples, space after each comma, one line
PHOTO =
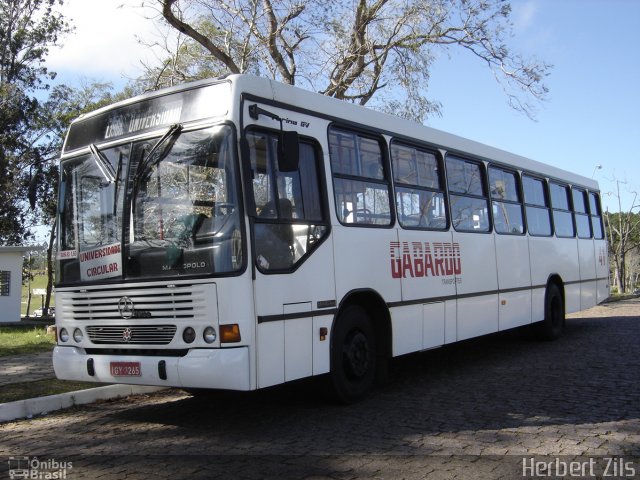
[(477, 281), (512, 249), (427, 264), (424, 258), (586, 229), (294, 291)]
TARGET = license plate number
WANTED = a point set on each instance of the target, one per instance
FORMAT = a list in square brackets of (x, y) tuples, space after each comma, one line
[(125, 369)]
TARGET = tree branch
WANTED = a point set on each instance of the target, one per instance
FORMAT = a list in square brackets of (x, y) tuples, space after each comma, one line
[(186, 29)]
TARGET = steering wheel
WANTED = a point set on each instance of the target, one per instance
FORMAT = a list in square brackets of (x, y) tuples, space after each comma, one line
[(220, 207), (367, 215)]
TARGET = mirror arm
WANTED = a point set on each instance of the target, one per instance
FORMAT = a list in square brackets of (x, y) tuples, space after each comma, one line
[(255, 111)]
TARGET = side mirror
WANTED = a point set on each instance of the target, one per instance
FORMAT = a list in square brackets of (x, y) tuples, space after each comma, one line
[(62, 195), (288, 151)]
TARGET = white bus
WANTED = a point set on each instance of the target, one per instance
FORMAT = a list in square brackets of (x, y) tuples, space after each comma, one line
[(240, 233)]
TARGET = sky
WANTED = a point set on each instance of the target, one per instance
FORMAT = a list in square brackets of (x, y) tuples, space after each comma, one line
[(590, 123)]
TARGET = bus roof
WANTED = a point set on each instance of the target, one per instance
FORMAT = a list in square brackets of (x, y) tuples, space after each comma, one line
[(341, 111)]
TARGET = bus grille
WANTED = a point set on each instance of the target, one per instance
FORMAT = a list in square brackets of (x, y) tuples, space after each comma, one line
[(132, 335), (145, 302)]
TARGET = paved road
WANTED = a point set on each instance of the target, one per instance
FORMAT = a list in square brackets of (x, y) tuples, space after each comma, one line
[(477, 409)]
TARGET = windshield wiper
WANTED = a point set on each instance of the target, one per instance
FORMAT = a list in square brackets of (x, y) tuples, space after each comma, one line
[(155, 156), (103, 164), (149, 161), (117, 184)]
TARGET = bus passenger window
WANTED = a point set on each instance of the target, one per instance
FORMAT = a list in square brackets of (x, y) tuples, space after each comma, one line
[(469, 204), (507, 203), (562, 215), (596, 216), (583, 225), (536, 206), (360, 185), (419, 188)]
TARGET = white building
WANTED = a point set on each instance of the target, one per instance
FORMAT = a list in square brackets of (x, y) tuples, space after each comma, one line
[(11, 281)]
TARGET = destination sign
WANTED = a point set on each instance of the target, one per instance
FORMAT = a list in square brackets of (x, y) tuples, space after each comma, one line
[(146, 115)]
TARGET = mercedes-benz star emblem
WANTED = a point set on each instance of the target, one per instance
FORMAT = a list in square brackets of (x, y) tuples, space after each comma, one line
[(126, 335), (126, 308)]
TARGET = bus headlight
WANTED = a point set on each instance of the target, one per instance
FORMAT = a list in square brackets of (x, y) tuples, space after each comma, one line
[(209, 335), (77, 335), (64, 335), (189, 335)]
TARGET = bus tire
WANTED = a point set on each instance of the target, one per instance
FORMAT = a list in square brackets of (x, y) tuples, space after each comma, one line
[(553, 324), (353, 355)]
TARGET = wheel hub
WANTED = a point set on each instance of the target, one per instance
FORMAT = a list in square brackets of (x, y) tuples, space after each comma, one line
[(356, 353)]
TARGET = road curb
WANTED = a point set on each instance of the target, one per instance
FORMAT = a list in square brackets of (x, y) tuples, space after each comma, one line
[(42, 405)]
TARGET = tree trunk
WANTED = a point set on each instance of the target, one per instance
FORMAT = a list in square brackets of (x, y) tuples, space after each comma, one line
[(52, 237)]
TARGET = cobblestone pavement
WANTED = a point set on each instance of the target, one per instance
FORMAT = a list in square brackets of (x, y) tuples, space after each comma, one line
[(477, 409), (26, 367)]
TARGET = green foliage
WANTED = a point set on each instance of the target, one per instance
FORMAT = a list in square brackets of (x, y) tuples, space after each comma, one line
[(27, 29)]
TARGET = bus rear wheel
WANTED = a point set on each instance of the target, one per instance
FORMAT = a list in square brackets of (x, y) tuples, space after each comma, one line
[(553, 324), (353, 355)]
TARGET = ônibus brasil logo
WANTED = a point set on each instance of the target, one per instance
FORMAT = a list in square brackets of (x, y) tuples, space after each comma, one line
[(425, 259)]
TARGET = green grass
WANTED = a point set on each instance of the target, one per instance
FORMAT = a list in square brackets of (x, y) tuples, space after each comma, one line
[(14, 341), (41, 388)]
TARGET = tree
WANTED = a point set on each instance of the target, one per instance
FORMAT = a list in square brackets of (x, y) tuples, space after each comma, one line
[(623, 234), (27, 29), (55, 115), (357, 51)]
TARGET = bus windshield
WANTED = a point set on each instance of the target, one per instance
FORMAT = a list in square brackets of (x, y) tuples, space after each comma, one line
[(161, 207)]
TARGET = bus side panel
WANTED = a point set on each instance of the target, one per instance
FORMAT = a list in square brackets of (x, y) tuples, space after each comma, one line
[(406, 323), (588, 285), (270, 348), (285, 347), (477, 283), (514, 272), (418, 327), (554, 256), (602, 270), (433, 324), (570, 257), (362, 261), (298, 342), (321, 345), (415, 255)]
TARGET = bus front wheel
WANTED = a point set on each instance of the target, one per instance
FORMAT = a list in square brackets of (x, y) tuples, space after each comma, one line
[(552, 326), (353, 355)]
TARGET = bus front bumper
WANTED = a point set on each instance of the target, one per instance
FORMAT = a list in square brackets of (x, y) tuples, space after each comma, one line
[(224, 368)]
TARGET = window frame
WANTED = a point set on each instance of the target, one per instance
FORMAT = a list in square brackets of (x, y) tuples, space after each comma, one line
[(5, 283), (251, 207), (546, 206), (519, 202), (485, 188), (386, 179), (442, 183), (597, 215), (584, 214), (566, 187)]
